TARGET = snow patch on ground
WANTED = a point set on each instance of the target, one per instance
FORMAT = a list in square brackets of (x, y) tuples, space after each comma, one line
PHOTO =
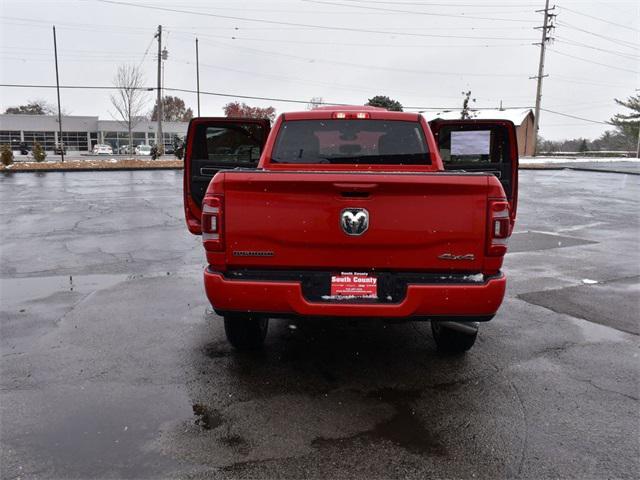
[(543, 160)]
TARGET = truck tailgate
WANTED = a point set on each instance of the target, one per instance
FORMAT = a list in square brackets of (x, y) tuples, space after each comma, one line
[(417, 221)]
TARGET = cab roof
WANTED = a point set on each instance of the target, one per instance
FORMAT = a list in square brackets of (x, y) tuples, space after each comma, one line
[(327, 112)]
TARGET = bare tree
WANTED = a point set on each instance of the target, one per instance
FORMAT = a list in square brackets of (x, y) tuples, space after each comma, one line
[(131, 99), (467, 113)]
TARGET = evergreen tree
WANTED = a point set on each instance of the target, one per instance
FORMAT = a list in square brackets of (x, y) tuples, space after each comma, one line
[(385, 102), (583, 146), (628, 124), (38, 152), (6, 154)]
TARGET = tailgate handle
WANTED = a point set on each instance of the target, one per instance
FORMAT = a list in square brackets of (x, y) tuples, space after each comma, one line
[(356, 187)]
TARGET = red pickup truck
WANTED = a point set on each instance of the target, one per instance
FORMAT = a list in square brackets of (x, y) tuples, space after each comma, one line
[(352, 212)]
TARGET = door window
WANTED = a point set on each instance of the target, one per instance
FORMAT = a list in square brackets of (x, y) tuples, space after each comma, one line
[(229, 145)]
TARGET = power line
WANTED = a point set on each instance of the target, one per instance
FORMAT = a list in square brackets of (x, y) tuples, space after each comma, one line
[(626, 55), (582, 81), (431, 4), (144, 55), (298, 80), (363, 66), (294, 24), (623, 43), (599, 19), (72, 87), (217, 94), (458, 108), (271, 99), (183, 90), (574, 116), (414, 12), (346, 44), (592, 62)]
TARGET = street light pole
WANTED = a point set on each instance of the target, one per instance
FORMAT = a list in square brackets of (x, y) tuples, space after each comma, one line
[(198, 75), (159, 136), (55, 53)]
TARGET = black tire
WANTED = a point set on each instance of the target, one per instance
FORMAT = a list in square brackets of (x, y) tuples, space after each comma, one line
[(246, 331), (452, 341)]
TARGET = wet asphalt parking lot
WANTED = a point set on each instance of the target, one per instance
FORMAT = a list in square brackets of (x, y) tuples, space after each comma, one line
[(114, 366)]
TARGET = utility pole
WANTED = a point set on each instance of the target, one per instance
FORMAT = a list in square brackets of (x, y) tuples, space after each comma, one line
[(159, 136), (55, 53), (547, 26), (198, 75), (638, 145)]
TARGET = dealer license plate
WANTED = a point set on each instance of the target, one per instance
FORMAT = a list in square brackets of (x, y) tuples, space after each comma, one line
[(354, 285)]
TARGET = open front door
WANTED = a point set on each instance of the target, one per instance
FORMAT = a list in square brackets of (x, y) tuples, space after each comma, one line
[(215, 144), (481, 146)]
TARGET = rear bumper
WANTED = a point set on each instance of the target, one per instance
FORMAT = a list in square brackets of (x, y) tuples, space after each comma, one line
[(276, 297)]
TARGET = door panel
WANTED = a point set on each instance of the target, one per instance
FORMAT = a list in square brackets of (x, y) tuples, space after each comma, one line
[(214, 144), (481, 146)]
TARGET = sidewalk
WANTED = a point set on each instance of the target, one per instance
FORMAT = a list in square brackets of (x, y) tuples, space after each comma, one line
[(94, 164)]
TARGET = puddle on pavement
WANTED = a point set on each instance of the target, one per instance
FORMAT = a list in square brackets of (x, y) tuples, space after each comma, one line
[(92, 433), (405, 428), (16, 291)]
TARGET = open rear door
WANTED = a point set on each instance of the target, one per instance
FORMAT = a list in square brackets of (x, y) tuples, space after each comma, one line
[(481, 146), (215, 144)]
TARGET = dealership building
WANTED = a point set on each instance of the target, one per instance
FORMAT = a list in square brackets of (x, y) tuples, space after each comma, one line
[(81, 133)]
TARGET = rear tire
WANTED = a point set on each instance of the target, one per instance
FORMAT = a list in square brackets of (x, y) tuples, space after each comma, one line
[(246, 331), (452, 341)]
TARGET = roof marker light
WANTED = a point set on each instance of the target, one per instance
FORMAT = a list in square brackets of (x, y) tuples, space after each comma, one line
[(359, 115)]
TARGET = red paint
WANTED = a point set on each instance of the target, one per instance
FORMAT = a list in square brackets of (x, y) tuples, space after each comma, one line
[(286, 217), (421, 300)]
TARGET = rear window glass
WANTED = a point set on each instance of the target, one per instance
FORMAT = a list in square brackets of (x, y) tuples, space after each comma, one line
[(368, 142)]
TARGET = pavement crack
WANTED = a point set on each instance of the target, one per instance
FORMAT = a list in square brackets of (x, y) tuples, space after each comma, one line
[(525, 440), (603, 389)]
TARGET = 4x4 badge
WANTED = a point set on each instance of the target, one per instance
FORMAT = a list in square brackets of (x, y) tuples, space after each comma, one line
[(451, 256)]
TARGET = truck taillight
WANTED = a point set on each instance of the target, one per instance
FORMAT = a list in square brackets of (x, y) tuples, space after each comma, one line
[(499, 228), (212, 224)]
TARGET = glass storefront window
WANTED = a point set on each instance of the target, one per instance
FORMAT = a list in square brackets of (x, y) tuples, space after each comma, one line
[(10, 137), (75, 141), (46, 139)]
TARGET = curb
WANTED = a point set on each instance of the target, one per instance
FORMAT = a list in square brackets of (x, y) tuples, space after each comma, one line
[(116, 169), (578, 169)]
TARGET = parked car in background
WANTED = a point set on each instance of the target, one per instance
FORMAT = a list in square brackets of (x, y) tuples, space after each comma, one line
[(102, 149), (169, 149), (143, 150)]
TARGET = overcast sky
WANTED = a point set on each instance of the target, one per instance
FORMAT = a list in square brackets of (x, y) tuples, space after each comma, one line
[(423, 53)]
